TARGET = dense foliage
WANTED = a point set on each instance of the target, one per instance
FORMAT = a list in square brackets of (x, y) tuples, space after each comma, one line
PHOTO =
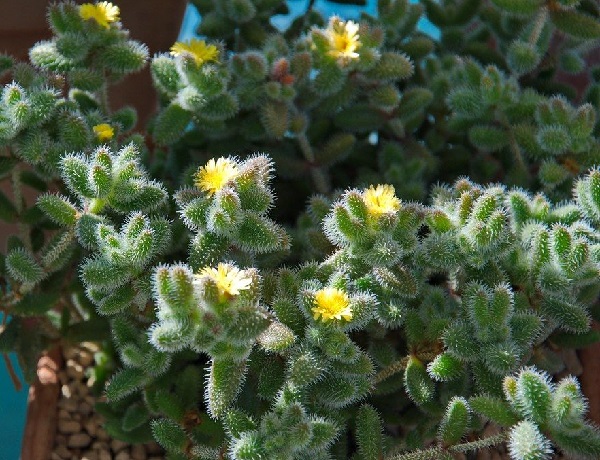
[(370, 312)]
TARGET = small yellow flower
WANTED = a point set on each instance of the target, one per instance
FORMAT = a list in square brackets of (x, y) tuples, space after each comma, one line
[(103, 13), (198, 49), (381, 200), (343, 38), (331, 303), (104, 132), (230, 280), (215, 175)]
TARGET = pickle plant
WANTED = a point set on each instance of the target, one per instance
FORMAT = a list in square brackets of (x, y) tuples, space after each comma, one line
[(284, 271)]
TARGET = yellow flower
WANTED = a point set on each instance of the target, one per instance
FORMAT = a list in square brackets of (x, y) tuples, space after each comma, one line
[(104, 132), (343, 38), (103, 13), (331, 303), (215, 175), (230, 280), (198, 49), (381, 200)]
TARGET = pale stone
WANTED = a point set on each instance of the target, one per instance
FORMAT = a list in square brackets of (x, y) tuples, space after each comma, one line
[(90, 346), (79, 440), (90, 455), (74, 369), (86, 358), (69, 426), (117, 446), (65, 391)]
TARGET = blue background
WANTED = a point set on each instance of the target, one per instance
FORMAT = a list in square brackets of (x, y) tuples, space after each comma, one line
[(13, 404)]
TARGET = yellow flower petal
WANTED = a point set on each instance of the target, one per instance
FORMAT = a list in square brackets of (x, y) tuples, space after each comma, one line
[(104, 13), (343, 39), (104, 132), (215, 175), (381, 199), (198, 49), (331, 303), (230, 280)]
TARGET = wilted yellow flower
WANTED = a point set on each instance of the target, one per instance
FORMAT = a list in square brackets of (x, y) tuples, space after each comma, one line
[(230, 280), (213, 177), (103, 13), (104, 132), (198, 49), (381, 200), (331, 303), (343, 38)]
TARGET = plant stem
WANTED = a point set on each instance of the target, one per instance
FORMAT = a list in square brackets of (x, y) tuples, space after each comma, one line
[(436, 453), (538, 26), (390, 370), (11, 372), (317, 173)]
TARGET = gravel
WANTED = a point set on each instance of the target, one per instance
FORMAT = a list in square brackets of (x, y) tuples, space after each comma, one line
[(80, 431)]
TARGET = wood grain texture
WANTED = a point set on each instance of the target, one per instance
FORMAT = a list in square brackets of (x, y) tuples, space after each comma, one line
[(42, 413)]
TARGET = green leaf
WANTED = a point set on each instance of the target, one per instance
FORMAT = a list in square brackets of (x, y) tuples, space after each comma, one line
[(224, 381), (21, 265), (495, 409), (8, 212), (125, 382), (58, 208), (169, 435), (369, 433), (577, 24), (455, 422)]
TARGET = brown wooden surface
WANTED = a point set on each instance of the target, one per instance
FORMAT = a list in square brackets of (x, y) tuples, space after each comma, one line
[(42, 413), (590, 379)]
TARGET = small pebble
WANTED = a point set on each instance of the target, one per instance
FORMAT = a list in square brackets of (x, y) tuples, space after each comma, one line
[(79, 440), (61, 440), (86, 358), (63, 452), (69, 426), (153, 449), (91, 427), (123, 455), (90, 455), (65, 391), (102, 435), (117, 446), (74, 370), (85, 408), (104, 455), (138, 452)]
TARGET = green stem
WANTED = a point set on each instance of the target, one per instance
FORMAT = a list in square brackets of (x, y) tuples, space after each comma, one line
[(317, 173), (436, 453), (538, 26)]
